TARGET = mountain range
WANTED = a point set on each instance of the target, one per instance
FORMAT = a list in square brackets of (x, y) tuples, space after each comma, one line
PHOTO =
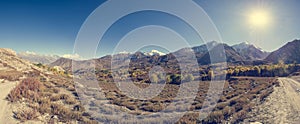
[(250, 52), (38, 58), (234, 54), (239, 54)]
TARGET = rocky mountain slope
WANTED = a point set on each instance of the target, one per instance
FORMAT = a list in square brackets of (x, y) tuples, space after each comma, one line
[(237, 54), (37, 58), (65, 63), (10, 62), (250, 52), (230, 54), (289, 53)]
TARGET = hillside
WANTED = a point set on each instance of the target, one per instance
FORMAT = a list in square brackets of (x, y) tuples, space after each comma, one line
[(10, 62), (250, 52), (230, 54), (289, 53), (65, 63), (36, 93), (37, 58)]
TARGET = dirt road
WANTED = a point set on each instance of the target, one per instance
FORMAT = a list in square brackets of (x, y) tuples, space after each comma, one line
[(282, 106), (5, 111)]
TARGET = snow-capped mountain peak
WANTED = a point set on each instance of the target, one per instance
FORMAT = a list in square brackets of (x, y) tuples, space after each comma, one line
[(124, 52), (245, 45), (250, 51), (154, 52), (242, 45)]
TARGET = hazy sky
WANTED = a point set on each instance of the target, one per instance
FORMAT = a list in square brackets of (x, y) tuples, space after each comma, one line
[(51, 26)]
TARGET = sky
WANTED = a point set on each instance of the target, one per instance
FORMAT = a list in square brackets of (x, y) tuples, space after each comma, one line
[(51, 26)]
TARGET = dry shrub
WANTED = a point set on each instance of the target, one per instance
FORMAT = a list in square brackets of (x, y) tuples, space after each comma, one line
[(239, 117), (227, 112), (188, 118), (52, 90), (64, 113), (44, 105), (26, 114), (29, 88), (44, 108), (215, 117), (153, 107), (43, 99), (64, 96), (70, 101), (221, 106), (55, 98)]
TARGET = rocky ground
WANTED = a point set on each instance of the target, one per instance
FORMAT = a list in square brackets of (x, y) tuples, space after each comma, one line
[(281, 107)]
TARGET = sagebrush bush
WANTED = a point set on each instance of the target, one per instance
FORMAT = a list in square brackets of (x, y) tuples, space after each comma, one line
[(29, 88), (215, 117), (70, 101), (26, 114), (65, 114)]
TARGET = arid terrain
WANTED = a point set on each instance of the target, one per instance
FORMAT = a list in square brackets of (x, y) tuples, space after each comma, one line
[(39, 93), (30, 93), (149, 62), (282, 106)]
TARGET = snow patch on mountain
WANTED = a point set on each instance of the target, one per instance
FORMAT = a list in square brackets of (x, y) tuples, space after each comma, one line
[(250, 51), (154, 52)]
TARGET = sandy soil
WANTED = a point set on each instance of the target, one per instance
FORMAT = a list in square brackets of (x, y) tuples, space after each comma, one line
[(5, 108), (281, 107)]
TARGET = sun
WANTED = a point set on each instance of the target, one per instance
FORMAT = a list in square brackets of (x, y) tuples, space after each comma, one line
[(259, 18)]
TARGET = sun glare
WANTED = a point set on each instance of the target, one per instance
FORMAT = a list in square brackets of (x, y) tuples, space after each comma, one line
[(259, 19)]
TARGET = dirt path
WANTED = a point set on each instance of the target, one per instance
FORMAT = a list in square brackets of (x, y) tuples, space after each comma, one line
[(5, 111), (282, 106)]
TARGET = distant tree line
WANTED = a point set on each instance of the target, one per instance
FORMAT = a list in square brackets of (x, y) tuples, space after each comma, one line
[(205, 73), (264, 70)]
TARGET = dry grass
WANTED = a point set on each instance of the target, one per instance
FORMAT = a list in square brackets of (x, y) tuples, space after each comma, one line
[(47, 99), (54, 97), (233, 106), (10, 75)]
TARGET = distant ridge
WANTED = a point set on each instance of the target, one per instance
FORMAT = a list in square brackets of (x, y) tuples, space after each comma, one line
[(289, 53), (37, 58), (239, 54), (250, 52)]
